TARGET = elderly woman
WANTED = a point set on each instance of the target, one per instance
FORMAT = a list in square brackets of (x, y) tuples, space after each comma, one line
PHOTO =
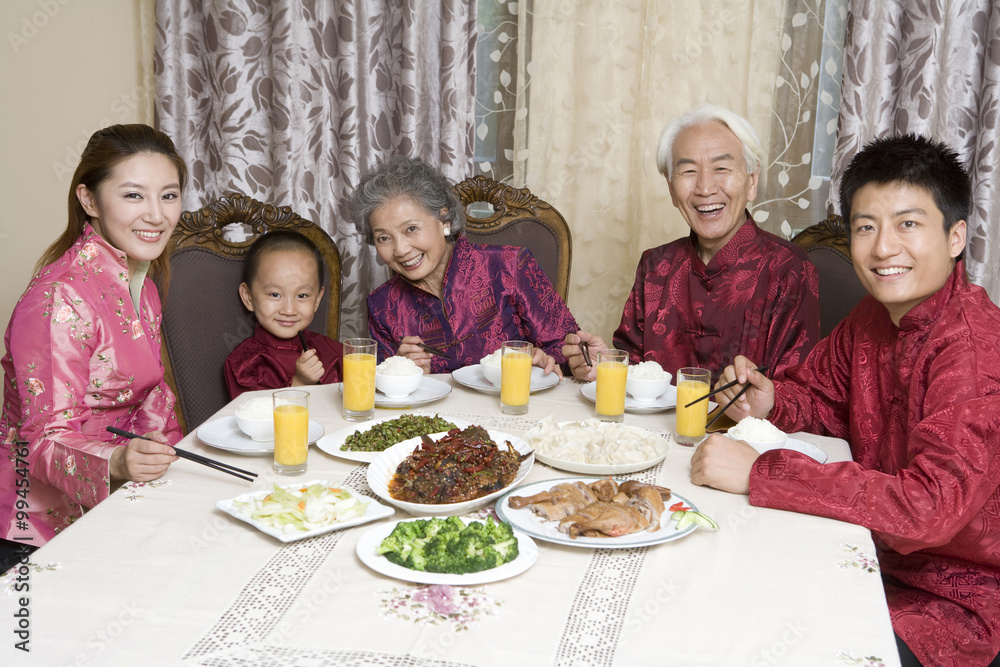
[(459, 297)]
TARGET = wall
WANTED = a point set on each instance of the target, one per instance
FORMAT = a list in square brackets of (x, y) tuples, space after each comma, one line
[(67, 68)]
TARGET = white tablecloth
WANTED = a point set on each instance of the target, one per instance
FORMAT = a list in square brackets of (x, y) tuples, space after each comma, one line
[(156, 575)]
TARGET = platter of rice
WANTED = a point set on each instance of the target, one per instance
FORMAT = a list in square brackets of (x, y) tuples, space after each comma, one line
[(593, 447)]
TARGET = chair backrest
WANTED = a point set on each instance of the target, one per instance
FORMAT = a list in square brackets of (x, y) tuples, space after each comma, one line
[(521, 219), (840, 290), (203, 317)]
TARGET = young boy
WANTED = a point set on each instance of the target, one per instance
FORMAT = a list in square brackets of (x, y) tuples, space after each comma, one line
[(282, 286), (912, 380)]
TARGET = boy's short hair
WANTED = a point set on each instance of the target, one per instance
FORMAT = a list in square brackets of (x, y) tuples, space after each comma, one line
[(916, 161), (280, 240)]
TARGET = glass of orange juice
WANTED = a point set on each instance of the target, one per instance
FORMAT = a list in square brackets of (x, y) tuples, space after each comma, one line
[(291, 431), (515, 377), (612, 372), (359, 379), (692, 384)]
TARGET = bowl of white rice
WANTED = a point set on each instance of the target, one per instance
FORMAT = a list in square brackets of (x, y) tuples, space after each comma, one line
[(397, 377), (490, 366), (761, 434), (256, 418), (646, 381)]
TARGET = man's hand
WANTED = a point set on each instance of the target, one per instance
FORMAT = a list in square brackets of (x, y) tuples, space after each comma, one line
[(573, 351), (723, 463), (308, 369), (758, 401), (142, 460)]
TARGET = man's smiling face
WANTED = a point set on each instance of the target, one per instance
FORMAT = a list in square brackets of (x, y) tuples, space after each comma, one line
[(901, 252), (709, 183)]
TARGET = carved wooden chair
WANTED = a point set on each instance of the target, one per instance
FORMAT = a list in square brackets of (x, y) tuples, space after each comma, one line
[(829, 248), (203, 317), (519, 218)]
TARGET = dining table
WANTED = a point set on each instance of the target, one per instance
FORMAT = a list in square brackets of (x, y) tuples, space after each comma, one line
[(157, 574)]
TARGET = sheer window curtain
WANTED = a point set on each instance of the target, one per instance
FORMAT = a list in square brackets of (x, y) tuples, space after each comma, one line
[(600, 95), (932, 68), (291, 101)]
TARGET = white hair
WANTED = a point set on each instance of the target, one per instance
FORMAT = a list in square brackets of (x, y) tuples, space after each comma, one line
[(701, 115)]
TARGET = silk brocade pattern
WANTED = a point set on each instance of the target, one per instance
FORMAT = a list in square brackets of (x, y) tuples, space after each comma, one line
[(920, 405), (491, 294), (758, 296), (79, 358)]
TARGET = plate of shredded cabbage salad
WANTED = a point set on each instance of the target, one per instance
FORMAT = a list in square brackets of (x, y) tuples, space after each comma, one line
[(297, 511)]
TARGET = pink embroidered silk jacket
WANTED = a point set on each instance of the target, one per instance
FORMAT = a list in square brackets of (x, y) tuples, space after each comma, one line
[(758, 296), (491, 294), (79, 358), (920, 405)]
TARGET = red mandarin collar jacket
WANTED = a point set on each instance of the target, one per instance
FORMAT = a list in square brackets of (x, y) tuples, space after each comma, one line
[(920, 406)]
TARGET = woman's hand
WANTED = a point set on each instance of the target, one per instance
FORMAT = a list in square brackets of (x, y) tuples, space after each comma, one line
[(410, 348), (308, 369), (142, 460), (573, 351), (544, 361), (723, 464), (758, 399)]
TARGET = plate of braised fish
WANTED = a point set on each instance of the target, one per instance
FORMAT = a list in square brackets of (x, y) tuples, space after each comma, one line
[(594, 513), (456, 473)]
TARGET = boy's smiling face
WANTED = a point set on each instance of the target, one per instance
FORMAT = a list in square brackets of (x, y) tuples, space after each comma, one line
[(285, 293), (901, 252)]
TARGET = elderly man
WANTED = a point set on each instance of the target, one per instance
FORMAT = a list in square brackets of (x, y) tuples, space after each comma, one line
[(728, 287), (912, 380)]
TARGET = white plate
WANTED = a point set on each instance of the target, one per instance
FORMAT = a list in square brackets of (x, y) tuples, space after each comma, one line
[(806, 448), (374, 511), (528, 522), (430, 390), (381, 470), (601, 469), (225, 434), (472, 377), (665, 401), (331, 443), (369, 542)]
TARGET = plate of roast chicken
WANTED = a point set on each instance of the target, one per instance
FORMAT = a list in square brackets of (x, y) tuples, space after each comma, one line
[(591, 512)]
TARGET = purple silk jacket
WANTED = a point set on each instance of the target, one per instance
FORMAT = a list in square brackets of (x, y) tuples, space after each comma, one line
[(79, 358), (920, 406), (758, 296), (491, 294)]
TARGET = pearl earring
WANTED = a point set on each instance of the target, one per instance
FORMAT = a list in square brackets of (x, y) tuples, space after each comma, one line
[(447, 231)]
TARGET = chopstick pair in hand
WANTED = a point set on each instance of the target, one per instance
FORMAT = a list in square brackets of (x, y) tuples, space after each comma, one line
[(759, 369), (724, 387), (585, 350), (191, 456), (433, 350)]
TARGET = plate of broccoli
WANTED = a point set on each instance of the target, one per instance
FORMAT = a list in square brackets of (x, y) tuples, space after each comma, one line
[(452, 550)]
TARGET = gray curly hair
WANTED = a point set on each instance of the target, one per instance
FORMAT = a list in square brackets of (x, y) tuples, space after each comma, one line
[(405, 177)]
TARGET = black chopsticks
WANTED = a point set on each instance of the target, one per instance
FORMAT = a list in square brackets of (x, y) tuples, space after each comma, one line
[(191, 456), (735, 398), (585, 349), (761, 369), (433, 350), (302, 339)]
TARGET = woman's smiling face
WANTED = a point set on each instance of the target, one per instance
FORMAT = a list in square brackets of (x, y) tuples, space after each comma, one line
[(137, 207), (412, 242)]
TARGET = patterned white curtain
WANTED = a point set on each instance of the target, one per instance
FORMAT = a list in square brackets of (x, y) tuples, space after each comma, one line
[(291, 101), (605, 78), (932, 68)]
